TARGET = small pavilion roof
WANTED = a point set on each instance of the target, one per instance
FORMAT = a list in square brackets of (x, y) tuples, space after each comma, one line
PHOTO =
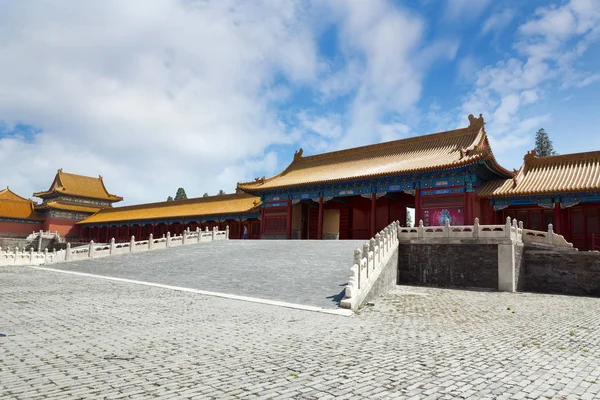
[(14, 206), (79, 186), (237, 203), (437, 151), (568, 173)]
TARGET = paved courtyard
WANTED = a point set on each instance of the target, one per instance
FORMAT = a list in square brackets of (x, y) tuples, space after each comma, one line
[(69, 337), (311, 273)]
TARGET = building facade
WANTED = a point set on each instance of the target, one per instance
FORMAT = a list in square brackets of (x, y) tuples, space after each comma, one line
[(239, 211), (347, 194)]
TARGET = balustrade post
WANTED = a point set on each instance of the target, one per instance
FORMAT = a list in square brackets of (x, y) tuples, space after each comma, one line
[(16, 254), (168, 239), (366, 255), (184, 237), (206, 229), (372, 248), (54, 255), (507, 227), (379, 242), (131, 243), (151, 241), (447, 227), (550, 235), (357, 254), (68, 251), (420, 229), (227, 232), (112, 246), (198, 234), (214, 233), (516, 228), (45, 255), (476, 228), (31, 255), (91, 249)]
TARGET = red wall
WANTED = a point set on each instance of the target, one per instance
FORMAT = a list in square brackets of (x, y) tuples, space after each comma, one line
[(65, 227), (19, 228)]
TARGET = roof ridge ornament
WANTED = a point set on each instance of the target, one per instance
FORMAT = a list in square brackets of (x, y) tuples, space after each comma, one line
[(476, 122), (298, 154), (530, 156)]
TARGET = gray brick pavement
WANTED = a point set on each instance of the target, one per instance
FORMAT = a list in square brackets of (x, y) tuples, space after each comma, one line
[(305, 272), (71, 337)]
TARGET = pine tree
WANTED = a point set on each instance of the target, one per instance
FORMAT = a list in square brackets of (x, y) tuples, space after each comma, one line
[(169, 198), (543, 144), (205, 195), (409, 221), (221, 192), (180, 195)]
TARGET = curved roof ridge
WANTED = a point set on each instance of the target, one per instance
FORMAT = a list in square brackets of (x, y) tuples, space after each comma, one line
[(532, 158), (172, 203), (384, 145)]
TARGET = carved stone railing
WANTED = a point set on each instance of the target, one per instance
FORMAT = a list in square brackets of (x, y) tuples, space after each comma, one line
[(510, 230), (546, 238), (97, 250), (368, 264)]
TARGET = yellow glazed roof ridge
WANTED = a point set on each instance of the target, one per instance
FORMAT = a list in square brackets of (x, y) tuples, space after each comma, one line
[(195, 207), (79, 185), (7, 194), (442, 150), (565, 173)]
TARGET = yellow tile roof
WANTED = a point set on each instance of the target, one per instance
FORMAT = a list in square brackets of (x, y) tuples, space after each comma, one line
[(197, 207), (436, 151), (71, 207), (17, 207), (578, 172), (79, 185)]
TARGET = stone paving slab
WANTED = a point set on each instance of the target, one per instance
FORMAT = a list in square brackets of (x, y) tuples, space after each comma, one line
[(304, 272), (79, 337)]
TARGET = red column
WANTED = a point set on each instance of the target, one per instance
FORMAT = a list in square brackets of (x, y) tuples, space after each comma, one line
[(418, 216), (468, 208), (492, 215), (373, 214), (262, 221), (289, 220), (557, 223), (320, 220), (241, 232)]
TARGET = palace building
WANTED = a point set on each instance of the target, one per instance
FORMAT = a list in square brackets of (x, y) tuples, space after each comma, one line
[(354, 193), (238, 211), (70, 198), (346, 194)]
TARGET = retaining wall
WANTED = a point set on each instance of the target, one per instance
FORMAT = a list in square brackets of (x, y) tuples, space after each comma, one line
[(566, 272), (457, 264)]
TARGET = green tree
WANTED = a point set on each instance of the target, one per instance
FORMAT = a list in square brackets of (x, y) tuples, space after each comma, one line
[(169, 198), (409, 221), (205, 195), (180, 195), (221, 192), (543, 144)]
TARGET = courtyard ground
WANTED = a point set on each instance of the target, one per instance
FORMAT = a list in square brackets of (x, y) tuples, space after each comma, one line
[(307, 272), (68, 337)]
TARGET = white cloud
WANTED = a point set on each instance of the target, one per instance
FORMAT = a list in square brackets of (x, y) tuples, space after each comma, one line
[(465, 9), (152, 94), (498, 21), (393, 131), (328, 126), (550, 44), (384, 49)]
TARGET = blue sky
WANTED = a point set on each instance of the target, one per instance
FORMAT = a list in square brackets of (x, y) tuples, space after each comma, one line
[(158, 94)]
